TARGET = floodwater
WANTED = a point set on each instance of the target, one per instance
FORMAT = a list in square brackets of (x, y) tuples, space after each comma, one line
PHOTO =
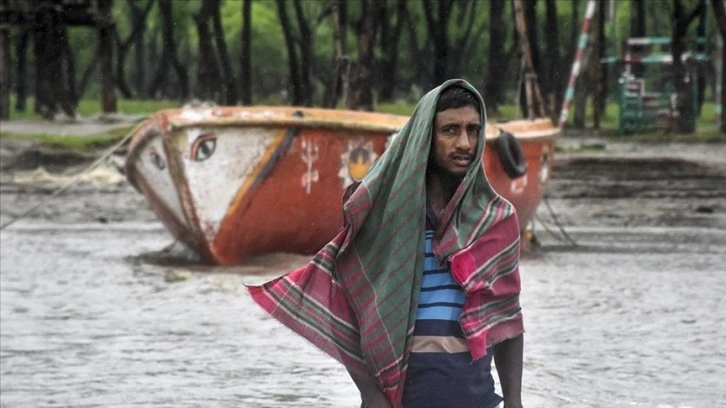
[(96, 311)]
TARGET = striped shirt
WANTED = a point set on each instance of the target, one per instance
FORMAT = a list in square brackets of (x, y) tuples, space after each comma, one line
[(441, 372)]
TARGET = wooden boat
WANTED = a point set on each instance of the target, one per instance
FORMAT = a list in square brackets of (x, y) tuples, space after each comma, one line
[(231, 182)]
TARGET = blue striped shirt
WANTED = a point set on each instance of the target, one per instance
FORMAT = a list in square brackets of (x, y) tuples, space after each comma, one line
[(441, 372)]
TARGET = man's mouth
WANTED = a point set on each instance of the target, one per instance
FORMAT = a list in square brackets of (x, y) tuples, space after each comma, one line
[(462, 161)]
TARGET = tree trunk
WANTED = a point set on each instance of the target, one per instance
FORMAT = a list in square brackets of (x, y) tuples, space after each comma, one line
[(582, 90), (292, 62), (536, 73), (4, 67), (638, 29), (138, 17), (169, 55), (533, 101), (121, 51), (417, 50), (21, 72), (466, 46), (389, 40), (89, 71), (208, 76), (246, 54), (555, 71), (361, 95), (719, 11), (230, 82), (496, 63), (438, 28), (305, 41), (105, 38), (595, 71), (138, 73), (339, 81), (51, 92), (701, 49), (682, 75), (70, 72)]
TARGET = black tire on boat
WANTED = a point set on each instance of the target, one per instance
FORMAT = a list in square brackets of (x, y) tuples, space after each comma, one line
[(511, 155)]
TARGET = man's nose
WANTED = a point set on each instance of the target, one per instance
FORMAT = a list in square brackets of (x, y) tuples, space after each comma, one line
[(463, 141)]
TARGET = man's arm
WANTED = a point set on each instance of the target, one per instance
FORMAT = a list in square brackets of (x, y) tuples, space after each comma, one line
[(508, 359), (371, 395)]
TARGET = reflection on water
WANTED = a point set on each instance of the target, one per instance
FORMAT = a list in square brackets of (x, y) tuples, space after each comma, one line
[(631, 318)]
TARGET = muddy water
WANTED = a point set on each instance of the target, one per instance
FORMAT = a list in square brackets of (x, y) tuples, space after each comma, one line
[(95, 312)]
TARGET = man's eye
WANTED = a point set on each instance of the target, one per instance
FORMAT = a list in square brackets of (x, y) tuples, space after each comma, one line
[(450, 130), (473, 130)]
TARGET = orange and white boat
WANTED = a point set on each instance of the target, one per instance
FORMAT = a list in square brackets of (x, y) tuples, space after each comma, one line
[(231, 182)]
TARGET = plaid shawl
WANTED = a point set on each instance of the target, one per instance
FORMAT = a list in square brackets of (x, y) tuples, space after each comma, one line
[(356, 300)]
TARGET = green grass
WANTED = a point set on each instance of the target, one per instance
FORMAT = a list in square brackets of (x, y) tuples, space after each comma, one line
[(706, 131), (75, 142), (92, 107)]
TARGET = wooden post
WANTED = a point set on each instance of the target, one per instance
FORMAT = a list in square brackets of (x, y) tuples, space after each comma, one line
[(532, 89), (105, 39)]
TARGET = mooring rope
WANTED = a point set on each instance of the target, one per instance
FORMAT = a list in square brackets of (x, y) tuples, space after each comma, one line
[(563, 236), (92, 166)]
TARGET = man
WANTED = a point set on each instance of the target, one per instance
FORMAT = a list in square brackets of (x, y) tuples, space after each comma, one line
[(420, 288)]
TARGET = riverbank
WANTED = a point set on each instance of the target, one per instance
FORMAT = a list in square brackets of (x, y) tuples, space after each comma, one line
[(96, 309)]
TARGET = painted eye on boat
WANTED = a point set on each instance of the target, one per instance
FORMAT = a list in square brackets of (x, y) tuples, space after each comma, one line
[(156, 159), (203, 148)]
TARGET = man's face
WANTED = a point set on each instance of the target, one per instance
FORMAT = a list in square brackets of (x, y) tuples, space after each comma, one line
[(455, 134)]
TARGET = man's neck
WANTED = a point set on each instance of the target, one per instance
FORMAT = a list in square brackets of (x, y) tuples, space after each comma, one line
[(440, 187)]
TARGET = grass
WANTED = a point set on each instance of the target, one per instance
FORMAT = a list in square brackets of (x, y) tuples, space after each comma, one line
[(706, 128), (92, 107), (74, 142)]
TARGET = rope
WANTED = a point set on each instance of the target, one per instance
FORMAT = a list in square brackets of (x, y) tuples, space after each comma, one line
[(92, 166), (563, 236)]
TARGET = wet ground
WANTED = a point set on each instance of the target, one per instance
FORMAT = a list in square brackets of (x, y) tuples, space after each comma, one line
[(624, 296)]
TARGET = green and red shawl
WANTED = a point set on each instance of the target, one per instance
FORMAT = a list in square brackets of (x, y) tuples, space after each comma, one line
[(357, 298)]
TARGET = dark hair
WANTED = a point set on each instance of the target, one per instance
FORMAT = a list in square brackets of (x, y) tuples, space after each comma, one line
[(455, 97)]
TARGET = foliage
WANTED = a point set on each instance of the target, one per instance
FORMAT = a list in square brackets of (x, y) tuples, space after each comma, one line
[(270, 70)]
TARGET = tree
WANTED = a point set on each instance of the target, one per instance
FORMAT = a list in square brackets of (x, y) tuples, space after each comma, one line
[(246, 54), (169, 55), (391, 26), (208, 73), (4, 67), (21, 68), (555, 72), (496, 62), (300, 65), (139, 44), (438, 26), (339, 83), (105, 40), (229, 91), (682, 71), (638, 29), (361, 86), (138, 16), (532, 104), (719, 10), (51, 87)]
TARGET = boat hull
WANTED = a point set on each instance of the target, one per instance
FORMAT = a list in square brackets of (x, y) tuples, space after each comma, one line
[(234, 182)]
